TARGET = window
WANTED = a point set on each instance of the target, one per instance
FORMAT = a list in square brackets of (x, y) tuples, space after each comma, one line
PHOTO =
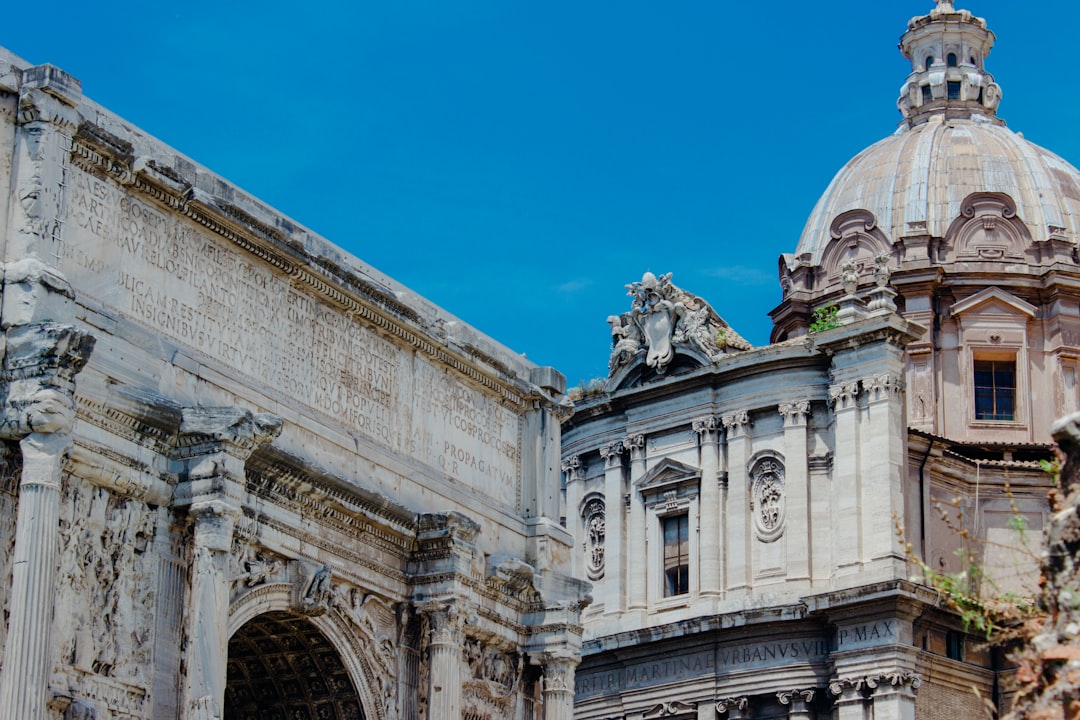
[(953, 87), (954, 645), (927, 94), (950, 60), (676, 555), (995, 389), (929, 61)]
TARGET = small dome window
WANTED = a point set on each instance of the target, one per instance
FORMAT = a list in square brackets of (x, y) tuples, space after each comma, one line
[(951, 60), (971, 61), (929, 61)]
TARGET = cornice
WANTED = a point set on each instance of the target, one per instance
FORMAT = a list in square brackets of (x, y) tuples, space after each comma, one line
[(101, 154)]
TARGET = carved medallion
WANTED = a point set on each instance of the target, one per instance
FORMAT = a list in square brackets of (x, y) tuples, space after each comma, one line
[(594, 522), (767, 498)]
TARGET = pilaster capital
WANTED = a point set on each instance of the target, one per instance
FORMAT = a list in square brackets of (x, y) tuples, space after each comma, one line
[(40, 362), (795, 413), (882, 387), (611, 452), (703, 426), (635, 443), (559, 668), (848, 690), (668, 708), (446, 619), (573, 468), (843, 395), (894, 681), (796, 698), (736, 422), (735, 707)]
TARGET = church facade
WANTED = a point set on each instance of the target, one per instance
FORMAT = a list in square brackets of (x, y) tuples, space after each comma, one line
[(751, 518), (245, 475)]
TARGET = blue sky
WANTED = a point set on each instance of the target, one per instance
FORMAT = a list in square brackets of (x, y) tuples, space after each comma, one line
[(519, 162)]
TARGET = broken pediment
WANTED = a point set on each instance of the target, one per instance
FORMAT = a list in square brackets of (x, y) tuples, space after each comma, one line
[(665, 321)]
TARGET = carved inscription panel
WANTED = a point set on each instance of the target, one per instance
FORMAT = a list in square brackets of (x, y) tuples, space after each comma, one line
[(204, 293)]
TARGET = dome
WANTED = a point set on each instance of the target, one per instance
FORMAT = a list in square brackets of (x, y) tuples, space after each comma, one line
[(951, 148), (915, 182)]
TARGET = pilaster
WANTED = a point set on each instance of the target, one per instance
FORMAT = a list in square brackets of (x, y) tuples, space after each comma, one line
[(212, 448), (710, 534), (39, 368), (848, 520), (736, 708), (798, 702), (573, 471), (637, 541), (611, 589), (883, 469), (893, 695), (737, 542), (796, 471), (850, 699)]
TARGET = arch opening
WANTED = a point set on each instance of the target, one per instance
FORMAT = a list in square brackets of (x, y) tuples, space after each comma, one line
[(282, 667)]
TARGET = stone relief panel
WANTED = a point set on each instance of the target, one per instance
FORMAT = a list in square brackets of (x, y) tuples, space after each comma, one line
[(768, 502), (375, 621), (490, 688), (107, 585), (204, 293), (594, 521), (10, 471)]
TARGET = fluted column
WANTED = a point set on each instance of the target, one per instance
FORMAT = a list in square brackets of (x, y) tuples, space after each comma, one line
[(558, 685), (611, 588), (637, 567), (40, 365), (737, 542), (709, 539), (798, 702), (213, 446), (848, 520), (796, 471)]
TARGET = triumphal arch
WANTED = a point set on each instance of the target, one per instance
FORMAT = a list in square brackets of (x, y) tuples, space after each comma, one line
[(245, 475)]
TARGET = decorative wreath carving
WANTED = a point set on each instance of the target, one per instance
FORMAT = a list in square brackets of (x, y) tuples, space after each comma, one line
[(768, 498)]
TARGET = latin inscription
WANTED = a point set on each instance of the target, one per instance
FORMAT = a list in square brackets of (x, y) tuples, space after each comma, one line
[(203, 293), (726, 658), (874, 633)]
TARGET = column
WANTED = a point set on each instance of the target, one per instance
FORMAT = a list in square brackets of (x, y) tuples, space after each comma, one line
[(611, 590), (446, 623), (40, 364), (850, 702), (573, 472), (709, 539), (737, 542), (212, 448), (893, 695), (737, 708), (798, 702), (637, 540), (558, 685), (796, 477), (848, 518)]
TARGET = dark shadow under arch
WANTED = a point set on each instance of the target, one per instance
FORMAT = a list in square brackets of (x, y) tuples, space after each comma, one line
[(281, 667)]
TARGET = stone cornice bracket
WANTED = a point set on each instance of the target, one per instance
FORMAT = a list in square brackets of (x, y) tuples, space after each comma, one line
[(611, 452), (48, 94), (736, 422), (40, 362), (212, 448), (882, 387), (703, 426), (635, 445), (573, 468), (843, 396), (445, 546), (795, 413)]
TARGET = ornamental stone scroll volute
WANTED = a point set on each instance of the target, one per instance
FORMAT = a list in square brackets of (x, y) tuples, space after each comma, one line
[(986, 229)]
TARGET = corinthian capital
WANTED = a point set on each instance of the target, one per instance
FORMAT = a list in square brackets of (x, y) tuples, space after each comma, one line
[(736, 422), (40, 362), (573, 468), (843, 395), (705, 425), (795, 412)]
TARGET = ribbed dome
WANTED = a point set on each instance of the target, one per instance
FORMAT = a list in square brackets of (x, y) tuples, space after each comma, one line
[(922, 174)]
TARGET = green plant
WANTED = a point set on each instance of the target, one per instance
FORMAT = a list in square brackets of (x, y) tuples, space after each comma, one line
[(824, 318), (586, 389)]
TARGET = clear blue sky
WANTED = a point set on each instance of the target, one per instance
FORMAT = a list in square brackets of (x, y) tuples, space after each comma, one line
[(519, 162)]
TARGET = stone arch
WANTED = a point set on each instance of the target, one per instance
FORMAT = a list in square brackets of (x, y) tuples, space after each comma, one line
[(277, 600), (855, 238)]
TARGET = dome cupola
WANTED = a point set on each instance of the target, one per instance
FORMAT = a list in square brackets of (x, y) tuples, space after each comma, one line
[(947, 50)]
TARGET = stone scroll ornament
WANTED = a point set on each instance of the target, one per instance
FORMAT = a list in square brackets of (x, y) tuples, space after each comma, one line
[(664, 319), (767, 498)]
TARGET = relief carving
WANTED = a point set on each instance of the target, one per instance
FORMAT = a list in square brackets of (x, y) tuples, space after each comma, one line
[(767, 498), (664, 319), (494, 676), (376, 623), (594, 521)]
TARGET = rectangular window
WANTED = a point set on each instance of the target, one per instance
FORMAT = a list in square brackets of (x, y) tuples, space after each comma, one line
[(676, 555), (927, 94), (995, 389), (953, 88)]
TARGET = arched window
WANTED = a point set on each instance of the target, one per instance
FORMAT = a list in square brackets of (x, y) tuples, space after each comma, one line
[(951, 60), (929, 61)]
